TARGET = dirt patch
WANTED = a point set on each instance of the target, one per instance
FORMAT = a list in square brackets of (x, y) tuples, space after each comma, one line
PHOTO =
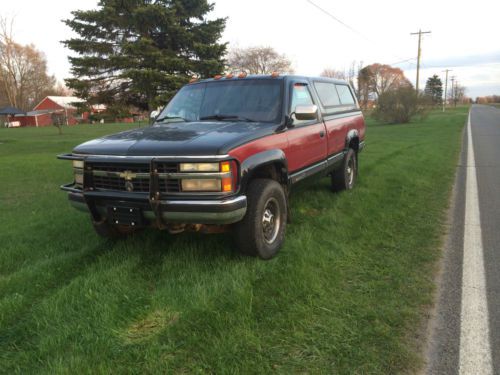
[(150, 326)]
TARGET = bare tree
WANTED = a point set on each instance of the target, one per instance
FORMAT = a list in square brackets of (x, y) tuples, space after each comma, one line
[(23, 70), (385, 77), (376, 79), (258, 60), (333, 73), (352, 75), (458, 94)]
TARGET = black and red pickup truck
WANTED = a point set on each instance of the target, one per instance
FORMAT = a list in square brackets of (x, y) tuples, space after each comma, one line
[(223, 154)]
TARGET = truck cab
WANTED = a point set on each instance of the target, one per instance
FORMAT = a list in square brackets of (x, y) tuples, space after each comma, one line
[(223, 154)]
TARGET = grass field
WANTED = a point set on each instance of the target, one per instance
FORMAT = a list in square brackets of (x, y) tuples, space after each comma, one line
[(347, 293)]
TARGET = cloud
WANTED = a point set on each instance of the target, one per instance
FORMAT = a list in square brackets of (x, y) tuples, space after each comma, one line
[(468, 60)]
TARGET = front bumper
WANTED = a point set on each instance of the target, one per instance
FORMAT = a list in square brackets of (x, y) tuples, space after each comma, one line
[(210, 211)]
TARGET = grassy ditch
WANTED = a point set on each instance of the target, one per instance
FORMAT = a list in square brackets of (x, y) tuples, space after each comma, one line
[(345, 295)]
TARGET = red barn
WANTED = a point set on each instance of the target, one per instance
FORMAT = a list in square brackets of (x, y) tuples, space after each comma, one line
[(44, 112)]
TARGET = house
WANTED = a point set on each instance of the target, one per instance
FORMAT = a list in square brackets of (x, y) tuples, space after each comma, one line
[(53, 108)]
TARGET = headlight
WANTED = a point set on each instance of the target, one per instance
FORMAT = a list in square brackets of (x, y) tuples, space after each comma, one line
[(199, 167), (78, 171), (78, 164), (205, 184), (78, 177)]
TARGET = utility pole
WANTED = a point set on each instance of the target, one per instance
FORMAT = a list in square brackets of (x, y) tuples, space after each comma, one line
[(453, 89), (446, 88), (420, 32)]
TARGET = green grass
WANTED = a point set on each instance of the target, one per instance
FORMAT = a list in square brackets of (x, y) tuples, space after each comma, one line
[(347, 293)]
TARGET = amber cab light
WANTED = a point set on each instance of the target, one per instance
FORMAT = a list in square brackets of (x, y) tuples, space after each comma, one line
[(218, 76), (274, 74), (242, 75)]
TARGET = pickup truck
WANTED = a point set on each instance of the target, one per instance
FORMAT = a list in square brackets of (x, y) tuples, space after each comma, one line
[(223, 154)]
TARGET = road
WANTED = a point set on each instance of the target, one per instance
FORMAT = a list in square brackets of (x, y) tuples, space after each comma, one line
[(465, 325)]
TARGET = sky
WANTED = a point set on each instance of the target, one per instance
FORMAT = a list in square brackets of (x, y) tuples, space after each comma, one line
[(464, 35)]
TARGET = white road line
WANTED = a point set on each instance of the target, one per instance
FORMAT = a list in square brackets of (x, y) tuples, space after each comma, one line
[(475, 352)]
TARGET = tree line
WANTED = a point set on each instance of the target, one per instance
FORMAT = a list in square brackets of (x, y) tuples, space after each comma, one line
[(137, 54), (24, 80)]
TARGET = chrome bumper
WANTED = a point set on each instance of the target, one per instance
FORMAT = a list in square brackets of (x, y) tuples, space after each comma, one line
[(223, 211)]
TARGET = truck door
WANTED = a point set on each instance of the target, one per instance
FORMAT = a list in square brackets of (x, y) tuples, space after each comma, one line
[(307, 143)]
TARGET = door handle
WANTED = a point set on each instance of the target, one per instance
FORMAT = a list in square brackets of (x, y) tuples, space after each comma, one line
[(322, 134)]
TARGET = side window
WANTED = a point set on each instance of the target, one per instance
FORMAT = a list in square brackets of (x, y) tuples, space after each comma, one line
[(327, 94), (300, 96), (345, 95)]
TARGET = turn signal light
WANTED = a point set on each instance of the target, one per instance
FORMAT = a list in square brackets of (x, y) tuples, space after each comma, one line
[(227, 184), (225, 167)]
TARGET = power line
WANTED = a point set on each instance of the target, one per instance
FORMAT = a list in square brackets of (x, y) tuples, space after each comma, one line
[(403, 61), (420, 32), (329, 14), (338, 20)]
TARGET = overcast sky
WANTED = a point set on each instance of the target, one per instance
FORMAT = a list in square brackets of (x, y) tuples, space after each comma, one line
[(464, 35)]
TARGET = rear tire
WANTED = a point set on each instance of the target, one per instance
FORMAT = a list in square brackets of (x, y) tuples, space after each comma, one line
[(345, 177), (262, 231)]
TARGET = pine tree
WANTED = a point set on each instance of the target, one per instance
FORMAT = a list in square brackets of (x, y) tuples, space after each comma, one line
[(434, 89), (139, 52)]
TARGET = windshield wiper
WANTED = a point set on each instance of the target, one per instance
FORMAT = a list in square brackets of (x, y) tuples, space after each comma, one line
[(161, 119), (227, 117)]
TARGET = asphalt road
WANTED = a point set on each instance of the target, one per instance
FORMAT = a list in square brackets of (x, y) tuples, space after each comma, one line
[(465, 325)]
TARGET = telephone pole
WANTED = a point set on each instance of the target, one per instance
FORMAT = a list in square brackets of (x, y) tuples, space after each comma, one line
[(420, 32), (453, 89), (446, 88)]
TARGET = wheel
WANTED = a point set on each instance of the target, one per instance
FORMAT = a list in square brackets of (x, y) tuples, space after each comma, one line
[(106, 230), (345, 177), (262, 231)]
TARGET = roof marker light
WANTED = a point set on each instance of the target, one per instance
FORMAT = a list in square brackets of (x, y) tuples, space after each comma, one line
[(194, 79), (242, 75), (229, 76), (274, 74), (218, 76)]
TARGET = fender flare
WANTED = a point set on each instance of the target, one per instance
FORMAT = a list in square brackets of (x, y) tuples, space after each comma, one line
[(252, 163), (351, 134)]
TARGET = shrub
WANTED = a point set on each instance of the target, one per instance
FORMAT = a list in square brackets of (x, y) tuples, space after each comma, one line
[(399, 106)]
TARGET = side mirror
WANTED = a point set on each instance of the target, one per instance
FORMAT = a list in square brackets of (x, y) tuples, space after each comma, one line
[(153, 115), (306, 112)]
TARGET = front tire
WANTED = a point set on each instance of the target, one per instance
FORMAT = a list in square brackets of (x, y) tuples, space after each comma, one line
[(345, 177), (262, 231)]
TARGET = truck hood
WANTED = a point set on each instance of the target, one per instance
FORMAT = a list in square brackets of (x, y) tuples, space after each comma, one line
[(178, 139)]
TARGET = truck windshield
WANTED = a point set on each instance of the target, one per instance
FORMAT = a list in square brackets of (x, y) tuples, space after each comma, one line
[(231, 100)]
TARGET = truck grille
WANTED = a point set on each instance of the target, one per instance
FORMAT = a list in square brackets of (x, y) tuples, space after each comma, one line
[(168, 185), (123, 177)]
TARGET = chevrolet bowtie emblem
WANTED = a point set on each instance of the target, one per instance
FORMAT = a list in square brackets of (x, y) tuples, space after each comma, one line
[(128, 175)]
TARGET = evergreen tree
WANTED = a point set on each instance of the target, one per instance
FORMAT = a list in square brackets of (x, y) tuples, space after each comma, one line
[(139, 52), (434, 89)]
